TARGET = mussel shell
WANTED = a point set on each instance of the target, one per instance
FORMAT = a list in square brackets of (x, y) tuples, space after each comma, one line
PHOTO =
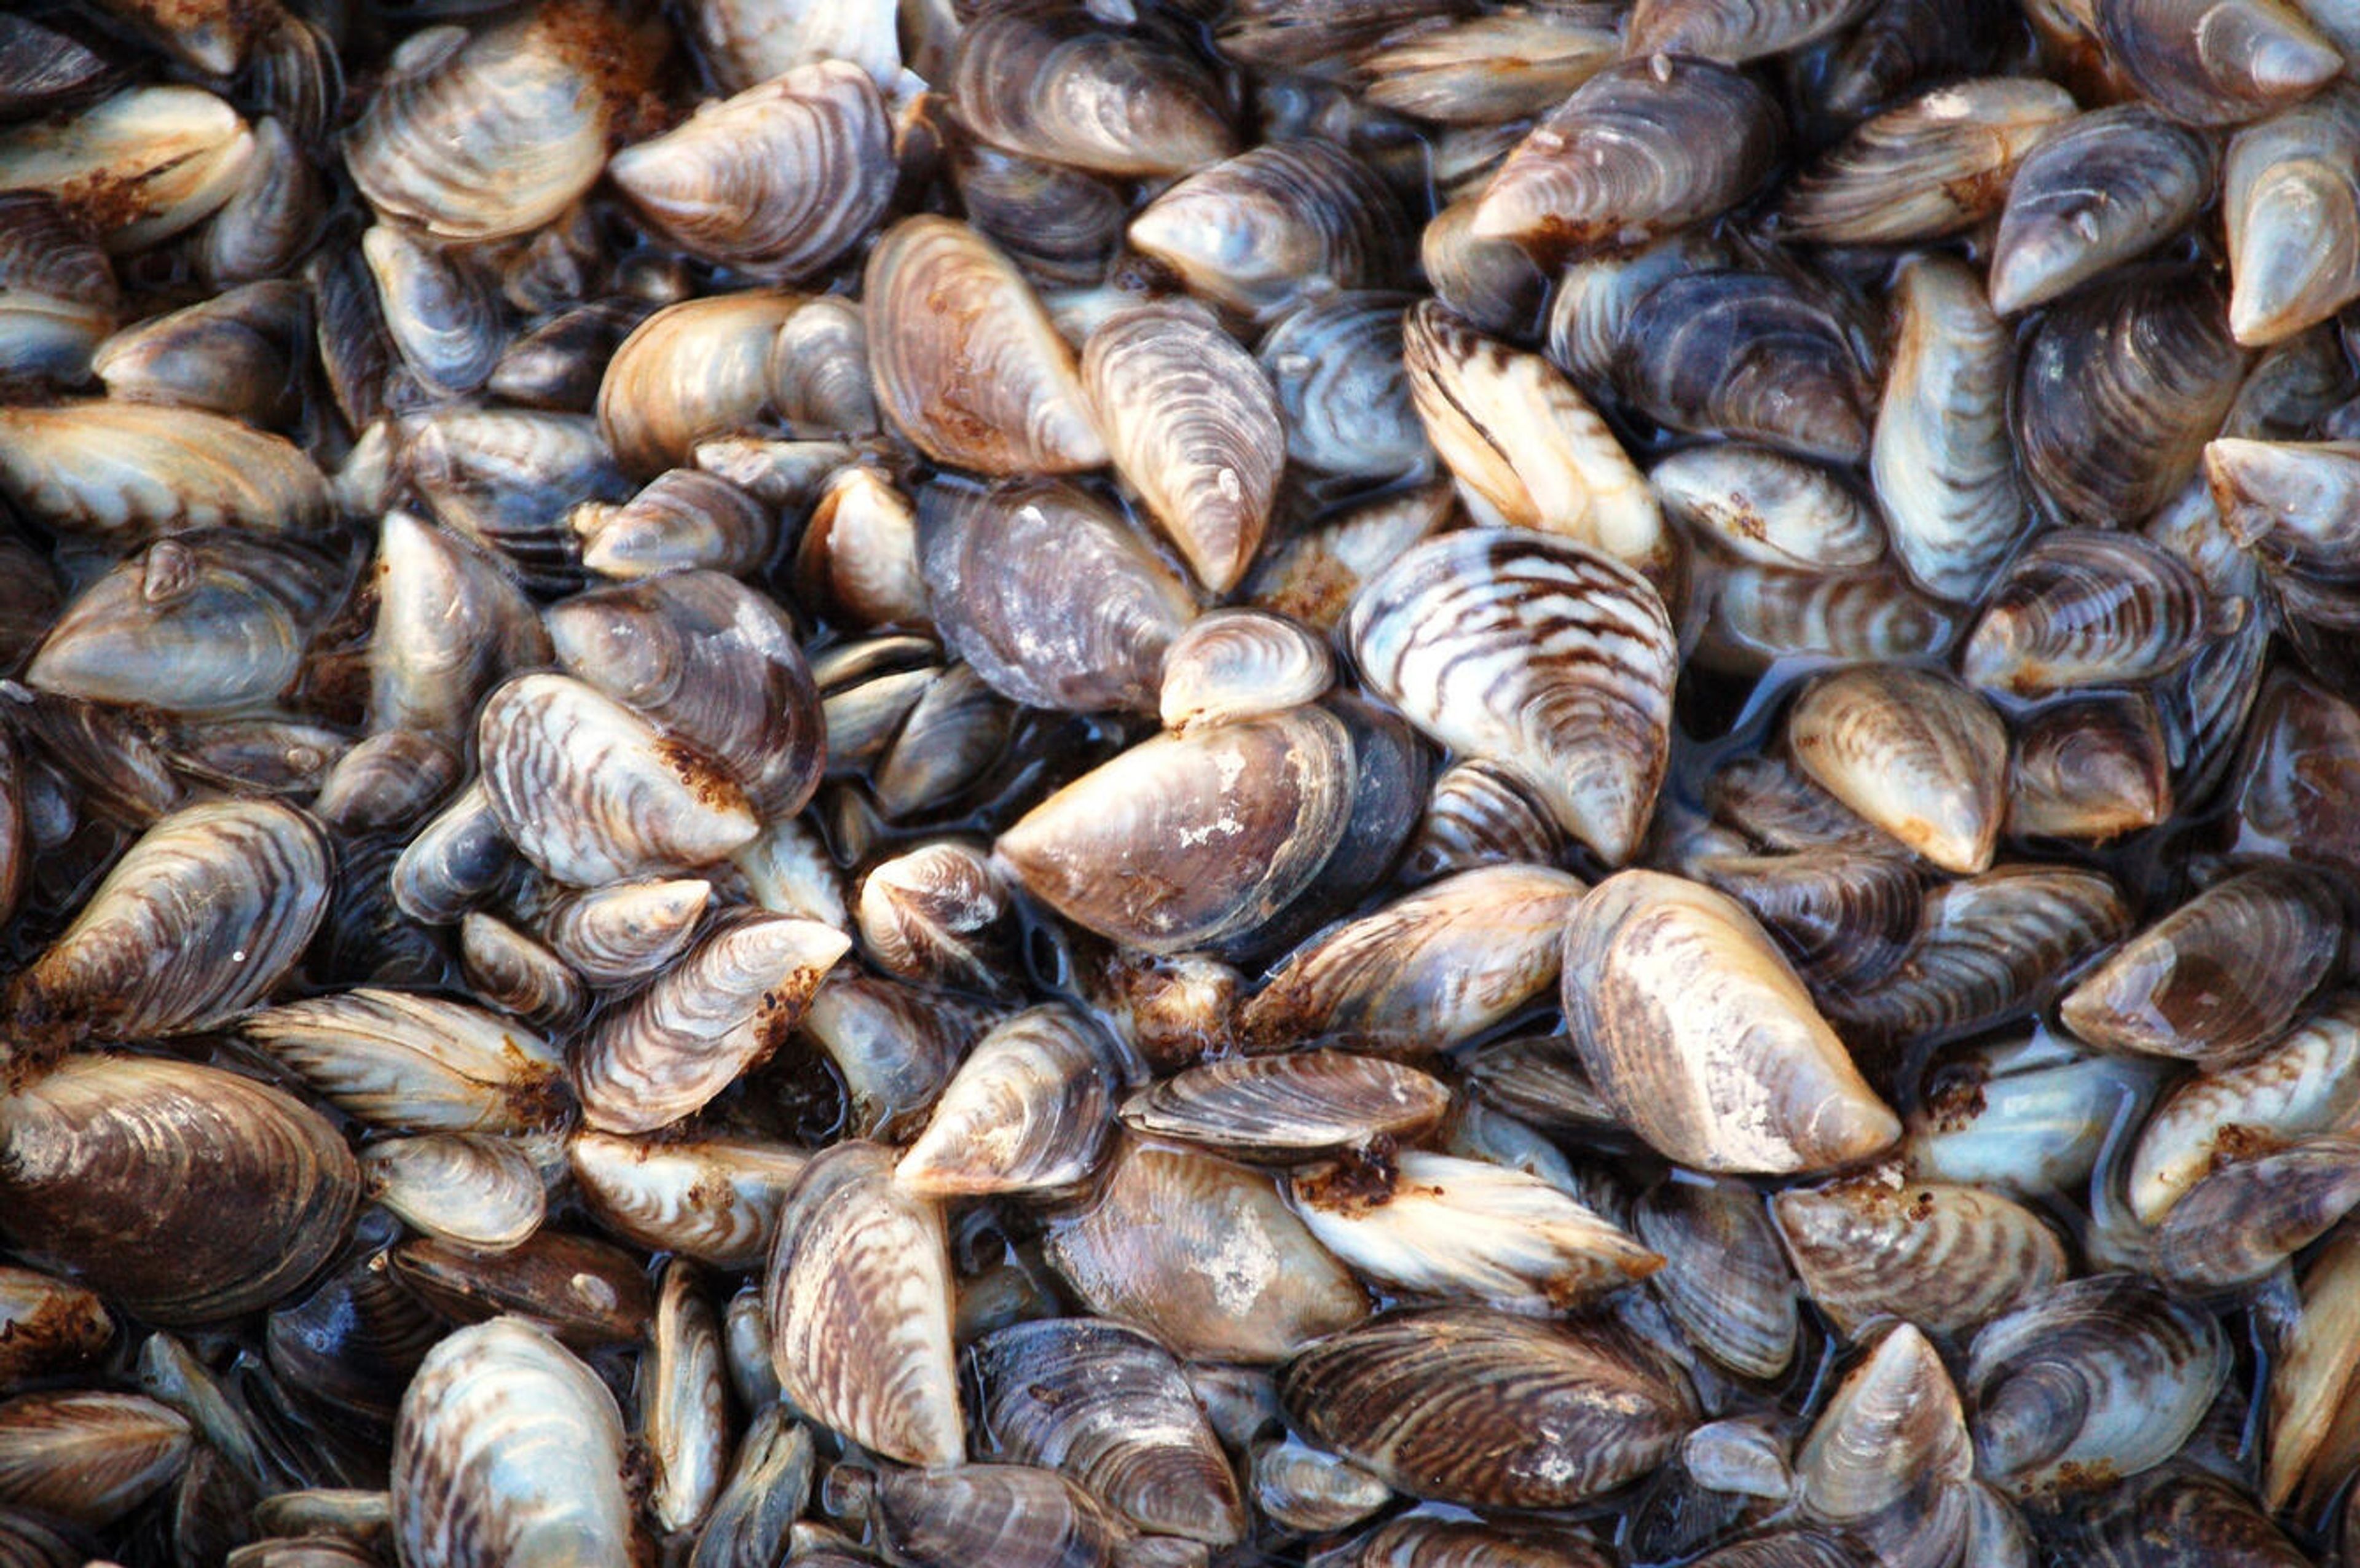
[(509, 1450), (2224, 973), (135, 167), (188, 1193), (85, 1457), (1724, 1279), (723, 1006), (1012, 1514), (1111, 1408), (859, 1298), (1029, 1109), (1930, 167), (416, 1064), (208, 911), (2213, 62), (1000, 564), (2090, 607), (1194, 428), (1760, 504), (715, 1200), (712, 661), (1217, 830), (2101, 1378), (690, 372), (2090, 769), (967, 364), (1656, 972), (1050, 84), (590, 792), (477, 139), (1845, 916), (1942, 1257), (1941, 457), (2285, 180), (2246, 1218), (1538, 655), (1912, 751), (1204, 1254), (130, 470), (1426, 973), (776, 182), (1060, 225), (1751, 355), (2103, 188), (1440, 1227), (2118, 389), (1988, 948), (1526, 449), (1646, 147), (1467, 1406), (1291, 1106), (1289, 219)]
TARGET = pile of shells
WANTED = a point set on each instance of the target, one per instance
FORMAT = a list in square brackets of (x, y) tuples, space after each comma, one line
[(1169, 783)]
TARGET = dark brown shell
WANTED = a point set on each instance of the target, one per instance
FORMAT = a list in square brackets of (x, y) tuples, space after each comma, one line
[(189, 1194), (1475, 1406), (1289, 1108), (1751, 354)]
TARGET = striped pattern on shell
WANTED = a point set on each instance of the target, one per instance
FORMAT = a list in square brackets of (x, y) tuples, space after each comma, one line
[(1535, 654), (776, 182), (509, 1451), (1643, 148), (858, 1300), (1467, 1406), (1281, 223), (1111, 1408), (1194, 428), (968, 364), (1303, 1103), (590, 792), (208, 911), (703, 1020), (187, 1193), (1048, 83)]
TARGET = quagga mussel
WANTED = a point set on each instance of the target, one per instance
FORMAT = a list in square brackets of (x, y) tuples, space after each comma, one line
[(1179, 783)]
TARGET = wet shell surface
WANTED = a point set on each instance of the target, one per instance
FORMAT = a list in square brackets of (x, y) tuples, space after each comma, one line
[(1538, 655)]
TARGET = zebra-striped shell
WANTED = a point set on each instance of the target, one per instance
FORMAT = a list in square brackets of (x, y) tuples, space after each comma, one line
[(1288, 220), (967, 362), (128, 471), (859, 1298), (776, 182), (1943, 1257), (1930, 167), (1697, 1033), (590, 792), (2088, 607), (1336, 365), (1194, 429), (690, 372), (477, 139), (1050, 84), (1538, 655), (1470, 1406), (1112, 1410), (703, 1020), (2103, 188), (1527, 450), (509, 1450), (1942, 458), (1216, 831), (208, 911), (1298, 1105), (1648, 146), (1913, 752)]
